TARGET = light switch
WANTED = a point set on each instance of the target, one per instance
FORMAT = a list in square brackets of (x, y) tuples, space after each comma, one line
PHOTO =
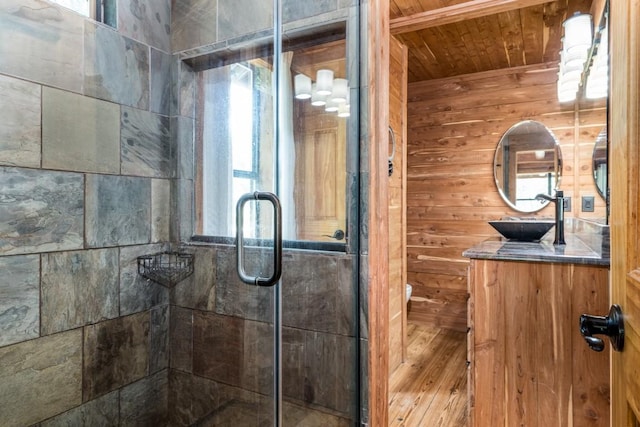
[(588, 203)]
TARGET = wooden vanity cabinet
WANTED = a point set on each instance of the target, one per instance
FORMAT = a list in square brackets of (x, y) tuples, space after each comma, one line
[(528, 364)]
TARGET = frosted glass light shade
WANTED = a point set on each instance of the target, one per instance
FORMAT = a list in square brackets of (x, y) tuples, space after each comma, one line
[(539, 154), (578, 32), (340, 89), (344, 110), (302, 86), (573, 59), (331, 106), (324, 82), (317, 99)]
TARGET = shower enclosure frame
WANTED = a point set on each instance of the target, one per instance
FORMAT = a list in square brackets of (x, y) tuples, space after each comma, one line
[(353, 204)]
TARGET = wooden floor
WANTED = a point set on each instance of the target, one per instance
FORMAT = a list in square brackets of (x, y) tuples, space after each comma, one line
[(430, 388)]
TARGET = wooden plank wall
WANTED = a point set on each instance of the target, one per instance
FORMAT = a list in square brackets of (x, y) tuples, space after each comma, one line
[(454, 126), (397, 205)]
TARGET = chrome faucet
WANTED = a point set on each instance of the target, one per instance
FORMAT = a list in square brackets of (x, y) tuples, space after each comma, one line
[(559, 201)]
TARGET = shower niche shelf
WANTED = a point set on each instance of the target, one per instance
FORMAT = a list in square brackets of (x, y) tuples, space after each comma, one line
[(166, 268)]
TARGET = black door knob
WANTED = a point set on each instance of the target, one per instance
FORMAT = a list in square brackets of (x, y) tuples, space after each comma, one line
[(611, 325)]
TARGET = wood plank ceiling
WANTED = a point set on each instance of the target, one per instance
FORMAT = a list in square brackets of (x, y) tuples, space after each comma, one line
[(454, 37)]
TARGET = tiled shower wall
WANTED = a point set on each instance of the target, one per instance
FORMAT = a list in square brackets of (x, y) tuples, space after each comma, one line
[(96, 147), (86, 168)]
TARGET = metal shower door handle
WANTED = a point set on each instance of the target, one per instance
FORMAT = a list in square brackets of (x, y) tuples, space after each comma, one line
[(277, 239)]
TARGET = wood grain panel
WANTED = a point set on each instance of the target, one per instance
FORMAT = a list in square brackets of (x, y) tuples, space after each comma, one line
[(454, 37), (430, 389), (397, 204), (374, 158), (454, 125), (529, 364)]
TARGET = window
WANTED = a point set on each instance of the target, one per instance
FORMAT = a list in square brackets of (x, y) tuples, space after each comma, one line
[(101, 10), (236, 153), (235, 147)]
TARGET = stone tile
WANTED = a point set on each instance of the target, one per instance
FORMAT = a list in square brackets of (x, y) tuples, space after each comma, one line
[(145, 402), (243, 351), (160, 210), (198, 291), (79, 133), (181, 227), (193, 23), (19, 298), (118, 210), (145, 144), (181, 339), (102, 411), (318, 292), (319, 369), (182, 129), (229, 26), (330, 379), (218, 347), (137, 293), (293, 363), (20, 128), (244, 410), (116, 353), (148, 21), (342, 4), (78, 288), (119, 67), (41, 42), (293, 10), (41, 211), (197, 401), (186, 90), (239, 299), (161, 96), (40, 378), (159, 352), (257, 362), (295, 415)]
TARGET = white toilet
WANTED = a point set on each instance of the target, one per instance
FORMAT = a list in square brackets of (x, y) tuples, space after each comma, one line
[(408, 291)]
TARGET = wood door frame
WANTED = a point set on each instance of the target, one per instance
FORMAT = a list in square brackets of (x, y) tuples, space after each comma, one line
[(625, 155), (376, 26)]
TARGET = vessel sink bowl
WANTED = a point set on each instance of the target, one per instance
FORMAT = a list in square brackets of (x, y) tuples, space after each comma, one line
[(523, 230)]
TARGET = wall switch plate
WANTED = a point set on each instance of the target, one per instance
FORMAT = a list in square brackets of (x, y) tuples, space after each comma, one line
[(588, 203), (567, 204)]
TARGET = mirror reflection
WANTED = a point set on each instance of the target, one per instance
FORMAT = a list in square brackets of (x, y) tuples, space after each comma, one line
[(600, 163), (527, 162)]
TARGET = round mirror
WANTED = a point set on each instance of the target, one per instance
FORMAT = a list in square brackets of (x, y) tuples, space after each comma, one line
[(600, 163), (527, 163)]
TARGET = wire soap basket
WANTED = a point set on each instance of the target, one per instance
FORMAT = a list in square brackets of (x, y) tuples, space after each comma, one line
[(166, 268)]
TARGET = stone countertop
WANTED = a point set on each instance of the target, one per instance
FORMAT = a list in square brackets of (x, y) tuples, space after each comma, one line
[(584, 245)]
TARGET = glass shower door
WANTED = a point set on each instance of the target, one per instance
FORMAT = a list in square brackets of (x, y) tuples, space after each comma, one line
[(276, 172)]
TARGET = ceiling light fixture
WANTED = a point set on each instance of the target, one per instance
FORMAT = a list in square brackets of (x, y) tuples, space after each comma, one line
[(575, 50), (327, 92)]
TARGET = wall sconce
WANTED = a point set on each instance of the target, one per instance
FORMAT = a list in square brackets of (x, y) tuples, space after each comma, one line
[(326, 91), (598, 76), (575, 50), (539, 154)]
